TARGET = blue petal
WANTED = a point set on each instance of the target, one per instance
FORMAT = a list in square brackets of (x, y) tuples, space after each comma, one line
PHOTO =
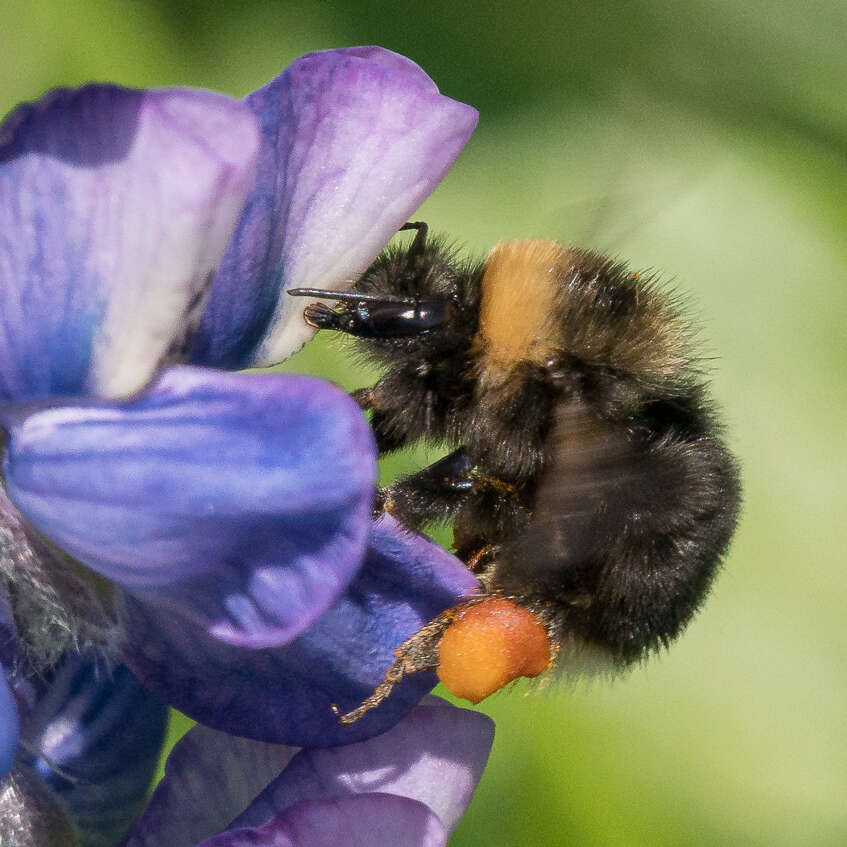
[(91, 737), (8, 726), (23, 686), (9, 718), (115, 208), (363, 820), (238, 505), (99, 734), (286, 694), (352, 142)]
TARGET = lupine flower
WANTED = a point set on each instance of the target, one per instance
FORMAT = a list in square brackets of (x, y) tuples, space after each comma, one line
[(211, 528)]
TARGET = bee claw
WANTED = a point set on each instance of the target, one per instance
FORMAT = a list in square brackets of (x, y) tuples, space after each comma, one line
[(320, 316)]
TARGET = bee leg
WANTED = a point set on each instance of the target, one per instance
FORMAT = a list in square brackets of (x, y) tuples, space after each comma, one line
[(385, 435), (495, 510), (429, 412), (421, 230), (479, 559), (483, 564), (436, 491), (364, 398)]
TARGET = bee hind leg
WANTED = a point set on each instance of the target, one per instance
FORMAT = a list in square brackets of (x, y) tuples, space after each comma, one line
[(417, 653), (483, 564)]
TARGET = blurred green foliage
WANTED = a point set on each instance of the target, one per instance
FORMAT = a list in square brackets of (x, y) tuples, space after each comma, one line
[(707, 140)]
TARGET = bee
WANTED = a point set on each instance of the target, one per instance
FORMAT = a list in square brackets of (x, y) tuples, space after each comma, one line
[(588, 484)]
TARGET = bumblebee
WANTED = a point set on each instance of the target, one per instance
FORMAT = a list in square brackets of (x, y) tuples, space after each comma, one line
[(588, 484)]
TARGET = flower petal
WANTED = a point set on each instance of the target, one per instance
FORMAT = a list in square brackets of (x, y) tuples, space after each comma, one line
[(8, 726), (286, 694), (115, 208), (239, 502), (365, 820), (352, 142), (434, 755), (99, 734), (210, 778)]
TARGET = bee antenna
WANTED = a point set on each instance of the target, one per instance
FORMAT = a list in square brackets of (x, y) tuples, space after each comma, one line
[(346, 296), (420, 239)]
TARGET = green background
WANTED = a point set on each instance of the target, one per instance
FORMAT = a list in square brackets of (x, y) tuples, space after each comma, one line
[(707, 140)]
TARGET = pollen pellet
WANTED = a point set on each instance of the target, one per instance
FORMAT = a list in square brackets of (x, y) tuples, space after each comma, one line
[(489, 645)]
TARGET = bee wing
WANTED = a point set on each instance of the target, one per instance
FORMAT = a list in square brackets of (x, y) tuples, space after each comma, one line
[(586, 496), (626, 532)]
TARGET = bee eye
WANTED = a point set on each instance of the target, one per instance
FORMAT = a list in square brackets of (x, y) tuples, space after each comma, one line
[(395, 320)]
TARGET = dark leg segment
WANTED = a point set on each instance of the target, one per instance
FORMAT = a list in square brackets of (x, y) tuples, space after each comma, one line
[(364, 397), (415, 654), (436, 491)]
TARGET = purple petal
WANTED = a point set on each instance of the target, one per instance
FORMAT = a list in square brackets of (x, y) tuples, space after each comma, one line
[(286, 694), (115, 208), (8, 726), (366, 820), (16, 697), (236, 504), (352, 142), (210, 777), (434, 755), (104, 733)]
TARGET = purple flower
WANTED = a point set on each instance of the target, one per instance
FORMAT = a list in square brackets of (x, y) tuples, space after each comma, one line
[(211, 528), (409, 786)]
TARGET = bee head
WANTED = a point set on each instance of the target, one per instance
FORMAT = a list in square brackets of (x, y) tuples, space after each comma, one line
[(412, 299)]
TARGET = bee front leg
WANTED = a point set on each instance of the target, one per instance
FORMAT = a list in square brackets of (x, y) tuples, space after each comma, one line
[(383, 424), (435, 492), (364, 398)]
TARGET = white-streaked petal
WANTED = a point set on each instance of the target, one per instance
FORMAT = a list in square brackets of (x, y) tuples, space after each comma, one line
[(115, 208), (435, 755), (352, 142)]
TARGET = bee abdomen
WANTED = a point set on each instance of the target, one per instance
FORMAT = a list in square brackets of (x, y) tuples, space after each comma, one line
[(634, 529)]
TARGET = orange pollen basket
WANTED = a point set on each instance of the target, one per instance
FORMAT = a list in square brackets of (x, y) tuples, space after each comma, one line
[(489, 645)]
